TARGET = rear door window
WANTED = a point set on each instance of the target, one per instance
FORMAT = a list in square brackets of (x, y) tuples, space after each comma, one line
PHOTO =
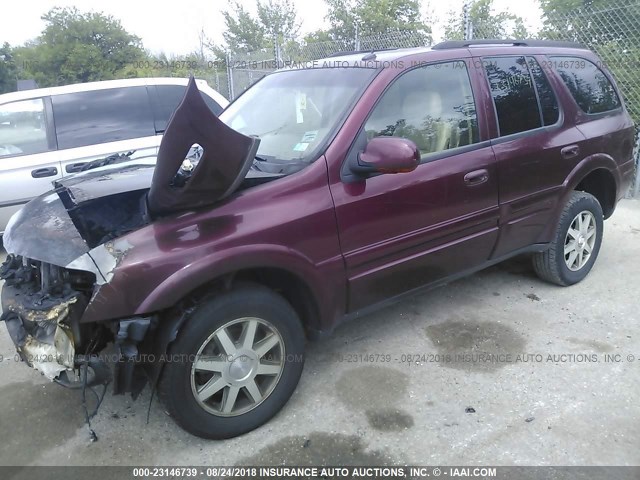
[(23, 128), (166, 98), (589, 86), (101, 116), (513, 93)]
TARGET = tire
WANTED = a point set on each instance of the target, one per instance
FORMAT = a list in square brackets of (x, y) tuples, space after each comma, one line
[(236, 407), (552, 265)]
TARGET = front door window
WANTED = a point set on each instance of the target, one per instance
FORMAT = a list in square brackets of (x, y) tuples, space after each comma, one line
[(433, 106)]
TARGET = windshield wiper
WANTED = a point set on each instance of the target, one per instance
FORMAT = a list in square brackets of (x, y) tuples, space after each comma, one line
[(257, 161), (274, 166), (110, 160)]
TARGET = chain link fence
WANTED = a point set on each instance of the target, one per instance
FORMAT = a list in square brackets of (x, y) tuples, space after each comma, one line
[(246, 69), (634, 191), (613, 33)]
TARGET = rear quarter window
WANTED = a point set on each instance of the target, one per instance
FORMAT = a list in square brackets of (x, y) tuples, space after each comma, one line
[(589, 86)]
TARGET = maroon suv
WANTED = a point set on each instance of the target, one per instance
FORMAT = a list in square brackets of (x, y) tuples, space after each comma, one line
[(320, 193)]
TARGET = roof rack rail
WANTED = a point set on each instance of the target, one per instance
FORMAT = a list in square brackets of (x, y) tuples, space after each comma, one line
[(355, 52), (514, 42)]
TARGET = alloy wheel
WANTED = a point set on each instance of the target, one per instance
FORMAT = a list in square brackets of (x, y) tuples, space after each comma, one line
[(237, 367), (580, 240)]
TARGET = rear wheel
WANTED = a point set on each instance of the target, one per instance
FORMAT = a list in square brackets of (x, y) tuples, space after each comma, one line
[(576, 243), (234, 364)]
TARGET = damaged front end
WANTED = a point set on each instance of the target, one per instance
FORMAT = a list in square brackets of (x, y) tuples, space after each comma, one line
[(65, 247), (42, 306)]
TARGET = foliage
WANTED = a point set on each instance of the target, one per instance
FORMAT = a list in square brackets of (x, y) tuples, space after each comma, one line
[(7, 69), (79, 47), (279, 20), (374, 17), (601, 21), (317, 36), (276, 22), (611, 28), (243, 32), (486, 23)]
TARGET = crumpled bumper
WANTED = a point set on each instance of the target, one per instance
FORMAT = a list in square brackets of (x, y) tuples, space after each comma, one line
[(40, 336)]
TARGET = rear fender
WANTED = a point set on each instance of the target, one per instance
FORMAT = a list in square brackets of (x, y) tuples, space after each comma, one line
[(581, 170)]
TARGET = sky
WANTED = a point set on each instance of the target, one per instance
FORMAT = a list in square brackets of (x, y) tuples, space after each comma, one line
[(173, 27)]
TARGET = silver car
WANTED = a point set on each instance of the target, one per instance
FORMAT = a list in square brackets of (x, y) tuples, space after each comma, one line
[(49, 133)]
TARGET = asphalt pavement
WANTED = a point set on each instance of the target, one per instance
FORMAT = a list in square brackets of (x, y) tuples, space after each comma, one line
[(499, 368)]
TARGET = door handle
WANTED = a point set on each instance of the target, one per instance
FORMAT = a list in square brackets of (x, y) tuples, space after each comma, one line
[(570, 152), (75, 167), (44, 172), (477, 177)]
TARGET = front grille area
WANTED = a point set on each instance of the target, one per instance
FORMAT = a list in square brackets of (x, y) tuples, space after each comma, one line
[(42, 282)]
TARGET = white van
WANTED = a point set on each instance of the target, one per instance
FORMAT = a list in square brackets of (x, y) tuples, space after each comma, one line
[(48, 133)]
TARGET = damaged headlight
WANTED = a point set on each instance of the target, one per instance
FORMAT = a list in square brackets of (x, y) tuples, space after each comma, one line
[(46, 345), (41, 305)]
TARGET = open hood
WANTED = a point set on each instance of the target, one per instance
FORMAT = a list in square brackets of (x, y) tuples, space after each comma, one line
[(226, 158), (86, 210)]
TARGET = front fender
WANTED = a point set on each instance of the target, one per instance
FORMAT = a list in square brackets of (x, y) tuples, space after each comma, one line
[(204, 270)]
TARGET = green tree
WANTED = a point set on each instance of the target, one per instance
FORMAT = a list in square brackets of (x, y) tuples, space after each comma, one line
[(374, 17), (317, 36), (611, 28), (486, 23), (279, 20), (80, 47), (243, 32), (599, 21), (275, 23), (7, 69)]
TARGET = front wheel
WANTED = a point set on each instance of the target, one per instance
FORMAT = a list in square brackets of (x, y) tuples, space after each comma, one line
[(576, 243), (234, 364)]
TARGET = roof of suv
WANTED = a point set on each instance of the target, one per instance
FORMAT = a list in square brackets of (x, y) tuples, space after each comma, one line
[(393, 54)]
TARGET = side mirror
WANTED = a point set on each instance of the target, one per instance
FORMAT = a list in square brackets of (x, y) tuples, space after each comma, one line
[(387, 155)]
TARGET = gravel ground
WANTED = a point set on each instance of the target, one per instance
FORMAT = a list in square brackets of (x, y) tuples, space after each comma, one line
[(562, 390)]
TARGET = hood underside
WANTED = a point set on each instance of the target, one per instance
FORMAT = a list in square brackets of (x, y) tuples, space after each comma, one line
[(89, 209), (226, 158)]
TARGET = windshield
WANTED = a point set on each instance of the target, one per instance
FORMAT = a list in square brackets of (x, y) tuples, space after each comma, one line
[(294, 112)]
